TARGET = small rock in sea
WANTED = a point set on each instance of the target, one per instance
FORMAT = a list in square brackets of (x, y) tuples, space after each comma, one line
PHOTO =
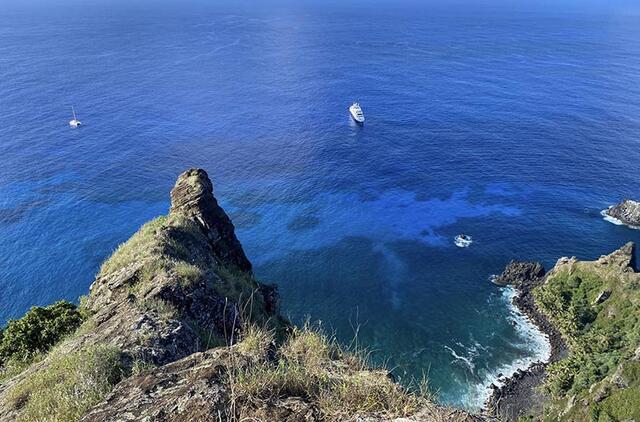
[(627, 211)]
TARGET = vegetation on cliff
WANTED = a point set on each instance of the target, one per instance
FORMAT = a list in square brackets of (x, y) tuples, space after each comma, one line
[(315, 368), (68, 386), (35, 333), (176, 328), (596, 306), (308, 377)]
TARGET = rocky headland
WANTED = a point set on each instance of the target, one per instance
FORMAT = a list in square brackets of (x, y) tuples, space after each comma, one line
[(627, 212), (590, 311), (176, 328)]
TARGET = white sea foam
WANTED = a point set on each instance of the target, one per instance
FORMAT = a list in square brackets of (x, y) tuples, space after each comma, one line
[(532, 338), (467, 361), (615, 221), (462, 242)]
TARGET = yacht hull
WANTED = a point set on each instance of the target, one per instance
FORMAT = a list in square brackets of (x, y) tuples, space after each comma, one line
[(355, 118)]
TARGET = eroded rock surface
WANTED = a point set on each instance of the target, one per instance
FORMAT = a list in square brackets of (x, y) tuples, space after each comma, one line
[(627, 211), (192, 196), (517, 273), (177, 301)]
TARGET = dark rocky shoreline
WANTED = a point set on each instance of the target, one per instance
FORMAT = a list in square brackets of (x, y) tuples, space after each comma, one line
[(518, 394)]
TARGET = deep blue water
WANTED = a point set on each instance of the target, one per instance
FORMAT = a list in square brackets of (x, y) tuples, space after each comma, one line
[(514, 126)]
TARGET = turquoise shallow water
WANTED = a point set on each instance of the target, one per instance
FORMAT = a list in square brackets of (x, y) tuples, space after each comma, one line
[(516, 127)]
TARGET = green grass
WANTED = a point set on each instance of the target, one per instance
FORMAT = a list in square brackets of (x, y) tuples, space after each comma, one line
[(600, 337), (139, 246), (66, 388), (623, 404), (243, 289), (164, 309), (173, 249)]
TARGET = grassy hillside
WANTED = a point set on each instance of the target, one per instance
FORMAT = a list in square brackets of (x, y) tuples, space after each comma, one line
[(596, 306)]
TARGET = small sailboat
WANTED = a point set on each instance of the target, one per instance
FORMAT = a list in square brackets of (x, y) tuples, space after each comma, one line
[(356, 113), (74, 123)]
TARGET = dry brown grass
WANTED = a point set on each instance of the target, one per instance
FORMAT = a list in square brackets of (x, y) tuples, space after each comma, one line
[(314, 368)]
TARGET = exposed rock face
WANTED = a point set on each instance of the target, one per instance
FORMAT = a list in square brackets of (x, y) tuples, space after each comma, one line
[(192, 196), (519, 395), (182, 285), (517, 273), (627, 211), (602, 296), (624, 258), (190, 389), (170, 293)]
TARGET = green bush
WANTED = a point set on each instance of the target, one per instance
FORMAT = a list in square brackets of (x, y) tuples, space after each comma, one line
[(37, 331)]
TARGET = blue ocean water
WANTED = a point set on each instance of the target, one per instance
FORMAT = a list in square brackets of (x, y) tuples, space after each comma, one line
[(515, 126)]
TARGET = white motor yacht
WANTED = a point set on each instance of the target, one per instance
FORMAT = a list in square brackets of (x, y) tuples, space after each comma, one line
[(356, 113), (74, 123)]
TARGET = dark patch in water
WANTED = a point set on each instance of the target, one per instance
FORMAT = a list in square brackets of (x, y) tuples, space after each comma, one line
[(14, 215), (245, 219), (303, 222)]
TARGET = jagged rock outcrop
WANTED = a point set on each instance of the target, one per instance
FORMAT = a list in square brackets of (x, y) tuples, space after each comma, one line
[(193, 197), (192, 336), (165, 294), (191, 389), (591, 308), (623, 259), (627, 211), (181, 284), (517, 273)]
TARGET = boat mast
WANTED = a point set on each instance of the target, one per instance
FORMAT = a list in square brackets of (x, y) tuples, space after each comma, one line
[(74, 113)]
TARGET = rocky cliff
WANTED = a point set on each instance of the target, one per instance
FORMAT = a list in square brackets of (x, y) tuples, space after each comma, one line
[(591, 312), (176, 328), (627, 212)]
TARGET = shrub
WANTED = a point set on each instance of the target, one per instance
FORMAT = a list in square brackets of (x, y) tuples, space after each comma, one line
[(37, 331)]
